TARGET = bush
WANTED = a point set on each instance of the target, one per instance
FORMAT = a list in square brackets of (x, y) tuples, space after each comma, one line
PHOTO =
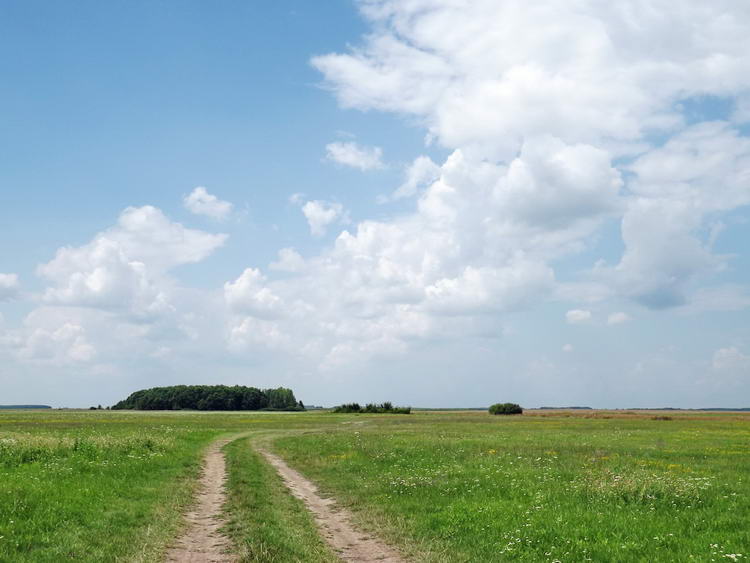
[(506, 408), (348, 408), (371, 408)]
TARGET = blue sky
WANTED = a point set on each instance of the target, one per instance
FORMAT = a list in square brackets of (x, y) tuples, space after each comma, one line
[(475, 203), (107, 106)]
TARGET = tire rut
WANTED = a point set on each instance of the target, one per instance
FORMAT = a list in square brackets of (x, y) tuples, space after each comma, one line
[(335, 523), (202, 541)]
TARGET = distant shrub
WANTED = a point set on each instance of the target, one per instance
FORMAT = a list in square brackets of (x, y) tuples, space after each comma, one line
[(506, 408), (348, 408), (372, 408), (661, 417)]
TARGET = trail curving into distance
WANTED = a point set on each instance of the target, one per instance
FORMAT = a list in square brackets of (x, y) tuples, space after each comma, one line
[(335, 523), (202, 541)]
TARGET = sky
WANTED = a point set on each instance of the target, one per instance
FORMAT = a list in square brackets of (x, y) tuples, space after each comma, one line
[(441, 203)]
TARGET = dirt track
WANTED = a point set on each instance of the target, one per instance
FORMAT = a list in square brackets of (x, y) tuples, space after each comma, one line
[(335, 523), (202, 541)]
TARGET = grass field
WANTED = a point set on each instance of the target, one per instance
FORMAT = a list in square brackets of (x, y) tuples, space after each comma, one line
[(461, 486), (105, 485), (471, 487)]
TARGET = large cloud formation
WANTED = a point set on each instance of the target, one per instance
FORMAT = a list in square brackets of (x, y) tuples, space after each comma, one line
[(114, 297), (557, 117), (570, 86)]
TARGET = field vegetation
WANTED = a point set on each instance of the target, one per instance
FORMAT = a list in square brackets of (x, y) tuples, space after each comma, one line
[(107, 485), (442, 486), (472, 487)]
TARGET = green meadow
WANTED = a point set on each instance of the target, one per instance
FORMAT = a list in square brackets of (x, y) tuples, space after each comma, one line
[(441, 486)]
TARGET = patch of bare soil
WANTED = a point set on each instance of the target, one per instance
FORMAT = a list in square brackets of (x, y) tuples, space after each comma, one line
[(335, 523), (202, 541)]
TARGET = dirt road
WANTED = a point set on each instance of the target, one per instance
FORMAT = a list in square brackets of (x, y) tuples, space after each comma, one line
[(335, 523), (202, 541)]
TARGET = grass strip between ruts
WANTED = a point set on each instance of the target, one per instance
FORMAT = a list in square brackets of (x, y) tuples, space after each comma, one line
[(266, 523)]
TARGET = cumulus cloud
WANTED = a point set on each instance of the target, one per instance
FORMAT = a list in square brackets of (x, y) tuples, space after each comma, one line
[(320, 214), (678, 188), (249, 294), (481, 79), (124, 267), (351, 154), (592, 83), (618, 318), (577, 316), (289, 261), (62, 345), (9, 287), (200, 202)]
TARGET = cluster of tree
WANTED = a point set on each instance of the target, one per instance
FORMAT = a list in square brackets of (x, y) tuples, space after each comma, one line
[(372, 408), (506, 408), (212, 398)]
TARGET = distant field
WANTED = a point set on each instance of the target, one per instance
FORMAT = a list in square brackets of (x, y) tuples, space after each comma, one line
[(444, 486)]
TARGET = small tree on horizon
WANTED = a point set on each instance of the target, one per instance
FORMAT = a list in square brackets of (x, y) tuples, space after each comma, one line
[(506, 408)]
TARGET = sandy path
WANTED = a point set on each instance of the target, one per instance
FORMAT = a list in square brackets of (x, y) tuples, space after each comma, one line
[(202, 542), (335, 523)]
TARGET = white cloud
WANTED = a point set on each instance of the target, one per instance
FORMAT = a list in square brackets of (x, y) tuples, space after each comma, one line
[(618, 318), (567, 348), (62, 345), (320, 214), (577, 316), (481, 290), (421, 172), (351, 154), (125, 266), (9, 287), (678, 189), (200, 202), (289, 261), (591, 83), (551, 183), (594, 73), (249, 294)]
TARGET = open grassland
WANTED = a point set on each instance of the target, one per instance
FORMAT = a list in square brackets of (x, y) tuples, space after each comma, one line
[(566, 486), (106, 485), (443, 486)]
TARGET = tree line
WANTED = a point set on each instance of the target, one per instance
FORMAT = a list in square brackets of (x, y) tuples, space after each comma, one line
[(212, 398)]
